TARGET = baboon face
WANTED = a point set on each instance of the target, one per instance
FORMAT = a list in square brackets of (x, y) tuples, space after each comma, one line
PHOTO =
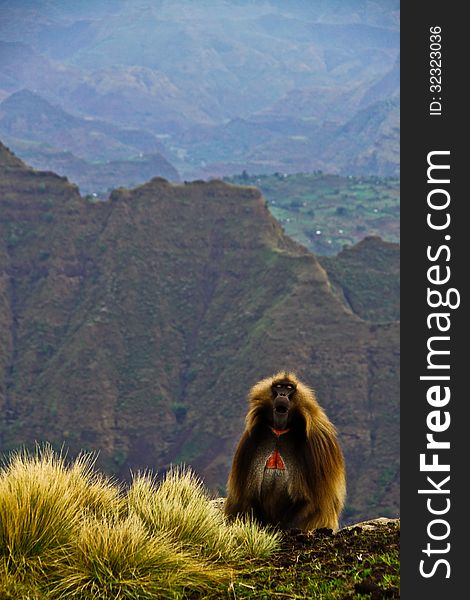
[(283, 392)]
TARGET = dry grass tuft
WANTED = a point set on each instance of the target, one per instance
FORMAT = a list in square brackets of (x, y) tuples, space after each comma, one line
[(67, 531), (180, 504), (117, 558)]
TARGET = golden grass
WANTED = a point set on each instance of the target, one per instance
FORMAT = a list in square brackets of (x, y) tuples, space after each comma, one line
[(117, 558), (42, 501), (180, 505), (67, 531), (252, 541)]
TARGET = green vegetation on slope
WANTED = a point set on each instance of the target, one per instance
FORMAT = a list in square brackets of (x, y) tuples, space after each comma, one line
[(326, 212), (357, 563), (368, 278), (329, 213)]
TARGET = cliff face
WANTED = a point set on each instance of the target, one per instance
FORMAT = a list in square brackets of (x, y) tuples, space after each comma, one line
[(367, 276), (136, 327)]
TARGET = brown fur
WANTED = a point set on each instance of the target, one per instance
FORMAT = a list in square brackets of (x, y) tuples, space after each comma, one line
[(315, 487)]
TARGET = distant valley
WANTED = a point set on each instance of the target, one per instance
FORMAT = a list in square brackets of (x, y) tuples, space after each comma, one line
[(95, 155), (327, 212), (213, 87)]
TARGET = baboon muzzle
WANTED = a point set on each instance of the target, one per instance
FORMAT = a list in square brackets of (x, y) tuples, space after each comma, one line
[(281, 411), (281, 404), (282, 391)]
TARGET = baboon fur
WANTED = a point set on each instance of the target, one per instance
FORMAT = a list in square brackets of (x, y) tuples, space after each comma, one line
[(309, 492)]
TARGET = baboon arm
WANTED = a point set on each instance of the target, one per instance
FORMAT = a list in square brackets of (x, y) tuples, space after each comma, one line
[(238, 487)]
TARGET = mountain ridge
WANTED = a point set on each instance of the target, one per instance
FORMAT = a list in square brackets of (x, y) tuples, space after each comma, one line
[(136, 327)]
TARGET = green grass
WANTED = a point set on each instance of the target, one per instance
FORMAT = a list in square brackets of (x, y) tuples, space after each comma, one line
[(352, 564), (67, 531)]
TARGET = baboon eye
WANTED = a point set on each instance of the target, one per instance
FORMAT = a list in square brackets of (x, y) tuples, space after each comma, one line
[(289, 387)]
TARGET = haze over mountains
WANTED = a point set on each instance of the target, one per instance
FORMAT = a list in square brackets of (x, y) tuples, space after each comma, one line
[(136, 326), (215, 87)]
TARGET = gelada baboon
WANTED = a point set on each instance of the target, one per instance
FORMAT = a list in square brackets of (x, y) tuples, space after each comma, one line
[(288, 469)]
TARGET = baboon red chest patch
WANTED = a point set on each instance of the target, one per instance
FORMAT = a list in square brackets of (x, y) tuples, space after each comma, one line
[(275, 459)]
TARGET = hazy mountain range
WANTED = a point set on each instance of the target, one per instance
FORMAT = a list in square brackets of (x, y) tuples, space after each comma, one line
[(215, 87)]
